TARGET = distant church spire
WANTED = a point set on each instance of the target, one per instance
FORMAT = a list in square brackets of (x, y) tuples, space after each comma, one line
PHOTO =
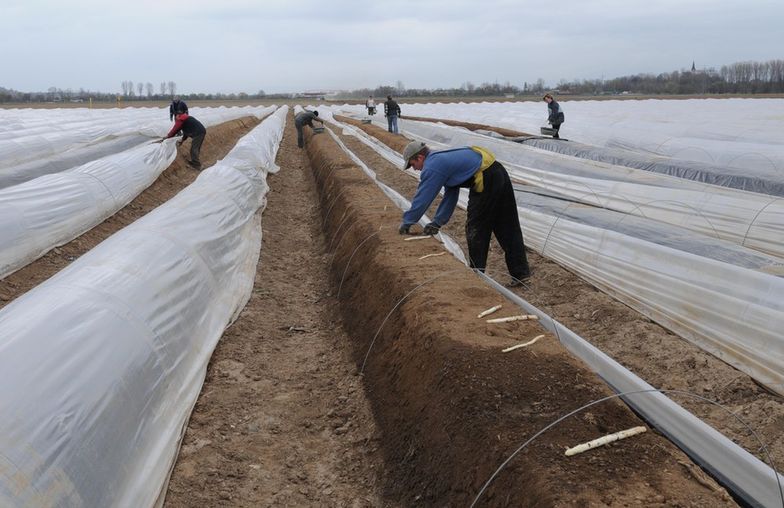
[(693, 68)]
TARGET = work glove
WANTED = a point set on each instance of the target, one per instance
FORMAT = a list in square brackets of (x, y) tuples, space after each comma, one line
[(431, 229), (404, 229)]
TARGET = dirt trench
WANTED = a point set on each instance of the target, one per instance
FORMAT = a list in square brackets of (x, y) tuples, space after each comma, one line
[(655, 354), (449, 404), (282, 419), (470, 126)]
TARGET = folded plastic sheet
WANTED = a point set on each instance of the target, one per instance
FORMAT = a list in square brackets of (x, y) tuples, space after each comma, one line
[(754, 481), (54, 209), (749, 219), (101, 364)]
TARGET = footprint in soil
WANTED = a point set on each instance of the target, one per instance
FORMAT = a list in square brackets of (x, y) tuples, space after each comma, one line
[(231, 369)]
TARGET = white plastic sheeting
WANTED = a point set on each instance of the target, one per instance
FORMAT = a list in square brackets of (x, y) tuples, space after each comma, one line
[(741, 133), (111, 352), (734, 312), (54, 209), (32, 169), (754, 481), (771, 183), (36, 148), (746, 218)]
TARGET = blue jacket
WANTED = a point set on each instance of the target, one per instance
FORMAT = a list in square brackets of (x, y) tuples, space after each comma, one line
[(448, 169)]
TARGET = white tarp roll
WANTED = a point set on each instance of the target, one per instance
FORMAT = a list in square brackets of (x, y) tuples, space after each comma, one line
[(41, 214), (112, 351)]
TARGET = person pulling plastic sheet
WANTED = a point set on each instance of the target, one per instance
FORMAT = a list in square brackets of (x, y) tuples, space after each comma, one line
[(190, 128), (492, 208)]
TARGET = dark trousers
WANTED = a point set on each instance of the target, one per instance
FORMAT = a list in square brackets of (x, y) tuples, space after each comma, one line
[(494, 210), (196, 142), (300, 138), (556, 126)]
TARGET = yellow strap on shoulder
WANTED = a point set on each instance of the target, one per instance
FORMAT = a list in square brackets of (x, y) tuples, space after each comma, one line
[(487, 160)]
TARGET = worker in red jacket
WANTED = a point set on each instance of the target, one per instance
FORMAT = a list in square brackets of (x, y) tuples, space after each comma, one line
[(190, 128)]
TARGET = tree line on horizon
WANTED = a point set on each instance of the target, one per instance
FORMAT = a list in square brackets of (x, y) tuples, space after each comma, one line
[(737, 78)]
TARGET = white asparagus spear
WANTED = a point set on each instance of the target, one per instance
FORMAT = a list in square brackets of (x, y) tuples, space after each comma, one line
[(522, 317), (432, 255), (518, 346), (604, 440), (489, 311)]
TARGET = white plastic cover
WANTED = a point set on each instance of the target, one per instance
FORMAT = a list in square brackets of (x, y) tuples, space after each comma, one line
[(54, 209), (45, 140), (739, 133), (101, 365), (763, 182)]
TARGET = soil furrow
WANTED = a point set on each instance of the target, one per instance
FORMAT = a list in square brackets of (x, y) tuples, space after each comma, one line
[(282, 419)]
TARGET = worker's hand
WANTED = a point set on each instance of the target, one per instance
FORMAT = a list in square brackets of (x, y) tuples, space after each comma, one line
[(404, 229), (431, 229), (179, 143)]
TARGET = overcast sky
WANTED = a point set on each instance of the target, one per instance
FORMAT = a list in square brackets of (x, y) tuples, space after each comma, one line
[(296, 45)]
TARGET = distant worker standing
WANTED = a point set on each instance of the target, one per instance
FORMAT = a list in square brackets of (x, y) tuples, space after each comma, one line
[(555, 115), (176, 107), (191, 128), (305, 118), (371, 106), (391, 111), (492, 207)]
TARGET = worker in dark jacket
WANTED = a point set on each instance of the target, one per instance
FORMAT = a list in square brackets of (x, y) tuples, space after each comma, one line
[(176, 107), (555, 116), (305, 118), (190, 128), (391, 111), (492, 207)]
